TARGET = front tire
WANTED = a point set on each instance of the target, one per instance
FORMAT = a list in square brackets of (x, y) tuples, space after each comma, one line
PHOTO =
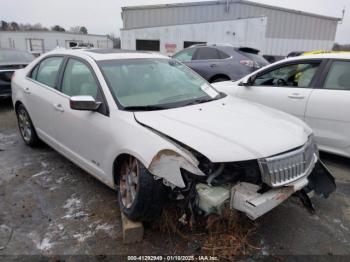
[(26, 127), (140, 196)]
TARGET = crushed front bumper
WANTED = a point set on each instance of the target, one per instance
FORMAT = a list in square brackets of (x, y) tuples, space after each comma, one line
[(246, 198)]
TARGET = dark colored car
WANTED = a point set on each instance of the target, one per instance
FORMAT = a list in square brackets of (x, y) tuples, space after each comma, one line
[(295, 53), (221, 62), (10, 61)]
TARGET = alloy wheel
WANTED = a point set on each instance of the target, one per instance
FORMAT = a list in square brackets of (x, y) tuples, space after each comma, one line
[(24, 125), (129, 181)]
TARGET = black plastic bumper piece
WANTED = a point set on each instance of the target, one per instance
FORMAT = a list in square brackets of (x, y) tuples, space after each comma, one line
[(321, 181)]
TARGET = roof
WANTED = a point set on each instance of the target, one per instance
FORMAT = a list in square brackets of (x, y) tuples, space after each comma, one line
[(107, 54), (320, 56), (48, 32), (201, 3)]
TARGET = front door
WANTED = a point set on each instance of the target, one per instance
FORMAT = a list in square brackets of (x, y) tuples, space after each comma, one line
[(286, 87), (83, 135)]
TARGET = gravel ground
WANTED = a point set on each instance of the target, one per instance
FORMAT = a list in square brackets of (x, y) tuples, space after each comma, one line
[(49, 206)]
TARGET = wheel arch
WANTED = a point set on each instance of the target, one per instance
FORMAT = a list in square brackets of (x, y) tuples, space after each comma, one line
[(117, 164), (219, 76), (17, 104)]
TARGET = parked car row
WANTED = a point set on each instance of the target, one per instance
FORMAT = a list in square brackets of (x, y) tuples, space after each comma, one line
[(220, 62), (10, 61), (152, 128), (314, 88)]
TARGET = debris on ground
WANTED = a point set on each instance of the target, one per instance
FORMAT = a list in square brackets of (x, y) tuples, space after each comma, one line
[(224, 236)]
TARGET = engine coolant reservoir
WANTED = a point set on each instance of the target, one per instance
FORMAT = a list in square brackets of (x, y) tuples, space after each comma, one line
[(211, 199)]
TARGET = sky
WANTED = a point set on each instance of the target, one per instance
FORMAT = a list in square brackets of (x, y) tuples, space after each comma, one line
[(104, 16)]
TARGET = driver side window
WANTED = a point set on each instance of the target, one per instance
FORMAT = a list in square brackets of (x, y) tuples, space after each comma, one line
[(292, 75), (78, 80)]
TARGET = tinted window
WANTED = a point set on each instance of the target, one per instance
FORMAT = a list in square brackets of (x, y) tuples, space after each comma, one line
[(185, 55), (338, 76), (48, 71), (258, 59), (206, 53), (296, 75), (78, 80), (223, 55), (15, 56)]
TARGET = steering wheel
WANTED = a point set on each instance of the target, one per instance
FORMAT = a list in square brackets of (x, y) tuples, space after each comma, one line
[(281, 82)]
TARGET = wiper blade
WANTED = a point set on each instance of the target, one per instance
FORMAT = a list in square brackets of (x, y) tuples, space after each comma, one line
[(201, 101), (144, 108)]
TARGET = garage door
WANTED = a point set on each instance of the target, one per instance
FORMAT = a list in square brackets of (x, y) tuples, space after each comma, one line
[(147, 45)]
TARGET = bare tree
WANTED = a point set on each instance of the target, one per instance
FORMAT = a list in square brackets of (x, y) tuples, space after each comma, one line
[(14, 26), (4, 26), (58, 28), (83, 30)]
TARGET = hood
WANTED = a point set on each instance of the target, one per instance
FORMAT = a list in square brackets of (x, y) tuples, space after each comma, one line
[(229, 129)]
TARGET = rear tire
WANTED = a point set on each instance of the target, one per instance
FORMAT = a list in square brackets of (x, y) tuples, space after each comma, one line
[(140, 196), (26, 127)]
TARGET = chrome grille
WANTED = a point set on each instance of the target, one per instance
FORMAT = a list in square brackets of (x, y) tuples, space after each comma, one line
[(285, 168)]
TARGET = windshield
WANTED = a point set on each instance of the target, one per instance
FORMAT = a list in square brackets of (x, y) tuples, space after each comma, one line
[(15, 56), (157, 83)]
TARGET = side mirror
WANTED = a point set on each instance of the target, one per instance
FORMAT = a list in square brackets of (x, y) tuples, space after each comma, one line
[(84, 103), (249, 81)]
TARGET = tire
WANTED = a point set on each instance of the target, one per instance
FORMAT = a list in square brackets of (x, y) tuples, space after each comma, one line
[(149, 194), (219, 79), (26, 127)]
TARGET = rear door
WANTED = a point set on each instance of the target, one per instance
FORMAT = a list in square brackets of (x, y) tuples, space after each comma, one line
[(208, 62), (286, 87), (328, 110), (39, 94)]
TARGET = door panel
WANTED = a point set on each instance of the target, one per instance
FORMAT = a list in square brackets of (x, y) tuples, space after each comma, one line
[(328, 114), (328, 110), (82, 135), (288, 100)]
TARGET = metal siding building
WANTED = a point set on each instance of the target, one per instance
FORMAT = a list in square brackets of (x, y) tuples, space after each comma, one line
[(39, 42), (287, 30)]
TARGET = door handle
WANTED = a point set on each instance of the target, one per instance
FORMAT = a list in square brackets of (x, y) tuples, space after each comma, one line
[(58, 107), (213, 65), (296, 96), (26, 90)]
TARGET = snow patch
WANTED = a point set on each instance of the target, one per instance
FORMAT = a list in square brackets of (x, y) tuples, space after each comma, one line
[(82, 237), (73, 206), (41, 173), (44, 244)]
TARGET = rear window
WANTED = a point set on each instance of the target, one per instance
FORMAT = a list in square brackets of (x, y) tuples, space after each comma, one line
[(15, 56), (207, 53), (261, 61)]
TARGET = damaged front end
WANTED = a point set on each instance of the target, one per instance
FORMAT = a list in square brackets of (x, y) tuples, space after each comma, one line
[(253, 187)]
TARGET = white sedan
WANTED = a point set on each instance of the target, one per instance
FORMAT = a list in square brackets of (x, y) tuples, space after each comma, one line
[(150, 126), (314, 88)]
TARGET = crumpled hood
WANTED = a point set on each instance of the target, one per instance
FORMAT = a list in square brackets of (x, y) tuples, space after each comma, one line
[(229, 129)]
